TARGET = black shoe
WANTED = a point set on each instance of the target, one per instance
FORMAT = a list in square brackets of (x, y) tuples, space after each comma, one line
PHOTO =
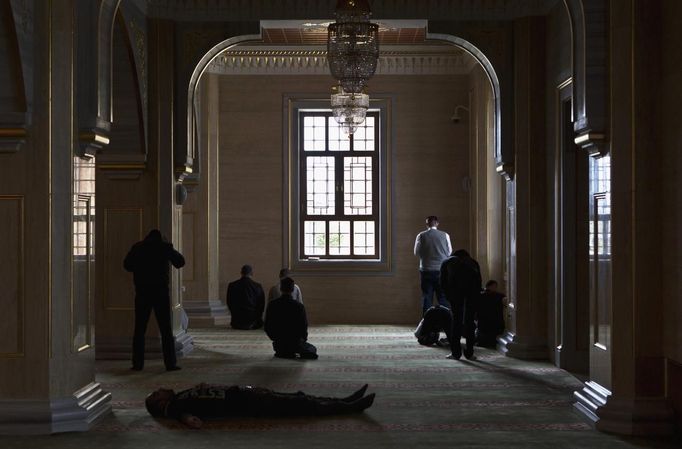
[(357, 395), (136, 368), (364, 403), (282, 355), (456, 352), (469, 354), (173, 368)]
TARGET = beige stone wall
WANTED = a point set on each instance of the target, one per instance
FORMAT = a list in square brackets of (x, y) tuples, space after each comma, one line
[(487, 220), (199, 213), (430, 162)]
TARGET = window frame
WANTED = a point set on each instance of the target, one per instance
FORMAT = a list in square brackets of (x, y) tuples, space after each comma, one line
[(339, 180), (294, 209)]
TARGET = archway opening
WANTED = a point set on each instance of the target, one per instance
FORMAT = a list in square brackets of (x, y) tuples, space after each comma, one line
[(441, 119)]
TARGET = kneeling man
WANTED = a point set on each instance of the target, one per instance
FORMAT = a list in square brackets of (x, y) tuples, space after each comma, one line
[(222, 401), (286, 324), (436, 320)]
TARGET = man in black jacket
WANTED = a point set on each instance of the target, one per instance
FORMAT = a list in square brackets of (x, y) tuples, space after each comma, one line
[(490, 315), (460, 278), (149, 261), (221, 401), (246, 301), (286, 324)]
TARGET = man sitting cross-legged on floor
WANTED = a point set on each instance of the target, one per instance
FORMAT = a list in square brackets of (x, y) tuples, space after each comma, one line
[(287, 325), (222, 401)]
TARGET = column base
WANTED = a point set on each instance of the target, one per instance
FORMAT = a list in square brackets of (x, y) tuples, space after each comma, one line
[(590, 399), (625, 416), (523, 348), (184, 344), (121, 348), (206, 313), (76, 413)]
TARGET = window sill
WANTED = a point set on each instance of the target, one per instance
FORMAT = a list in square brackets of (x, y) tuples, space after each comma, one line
[(341, 267)]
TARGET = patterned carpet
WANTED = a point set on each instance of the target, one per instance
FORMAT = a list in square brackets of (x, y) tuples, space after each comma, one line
[(423, 400)]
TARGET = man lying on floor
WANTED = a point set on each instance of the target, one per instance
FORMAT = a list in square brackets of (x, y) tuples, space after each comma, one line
[(222, 401)]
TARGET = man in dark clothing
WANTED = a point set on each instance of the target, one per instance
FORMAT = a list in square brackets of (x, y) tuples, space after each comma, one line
[(437, 319), (149, 261), (246, 301), (286, 324), (222, 401), (490, 315), (460, 277)]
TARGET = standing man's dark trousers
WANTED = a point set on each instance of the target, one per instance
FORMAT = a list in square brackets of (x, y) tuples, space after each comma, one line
[(463, 325), (430, 284), (289, 349), (159, 301)]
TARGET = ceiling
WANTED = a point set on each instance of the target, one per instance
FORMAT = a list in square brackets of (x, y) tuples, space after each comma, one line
[(258, 10)]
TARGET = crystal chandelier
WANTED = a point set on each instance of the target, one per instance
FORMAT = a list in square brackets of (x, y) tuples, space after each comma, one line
[(349, 109), (352, 53)]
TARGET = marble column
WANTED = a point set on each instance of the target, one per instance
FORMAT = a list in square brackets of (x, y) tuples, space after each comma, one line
[(627, 394), (526, 200), (202, 298), (47, 197)]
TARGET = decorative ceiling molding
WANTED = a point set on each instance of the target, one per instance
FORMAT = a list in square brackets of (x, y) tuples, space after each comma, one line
[(434, 60), (255, 10), (303, 36)]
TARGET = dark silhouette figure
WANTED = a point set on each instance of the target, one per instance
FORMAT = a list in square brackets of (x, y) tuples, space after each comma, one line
[(246, 301), (221, 401), (286, 324), (490, 315), (437, 319), (460, 277), (149, 261)]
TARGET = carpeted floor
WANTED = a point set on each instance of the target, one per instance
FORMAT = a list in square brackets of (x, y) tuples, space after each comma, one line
[(423, 400)]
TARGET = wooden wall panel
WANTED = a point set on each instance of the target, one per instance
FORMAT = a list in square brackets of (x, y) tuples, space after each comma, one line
[(674, 387), (121, 227), (12, 275)]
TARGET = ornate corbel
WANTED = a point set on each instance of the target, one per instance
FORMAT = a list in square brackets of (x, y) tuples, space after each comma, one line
[(95, 25), (14, 125), (594, 143), (590, 74)]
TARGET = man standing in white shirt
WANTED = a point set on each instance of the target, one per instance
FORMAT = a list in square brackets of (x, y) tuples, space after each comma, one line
[(432, 247), (276, 292)]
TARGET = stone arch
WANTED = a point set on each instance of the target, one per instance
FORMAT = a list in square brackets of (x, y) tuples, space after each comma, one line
[(503, 160)]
